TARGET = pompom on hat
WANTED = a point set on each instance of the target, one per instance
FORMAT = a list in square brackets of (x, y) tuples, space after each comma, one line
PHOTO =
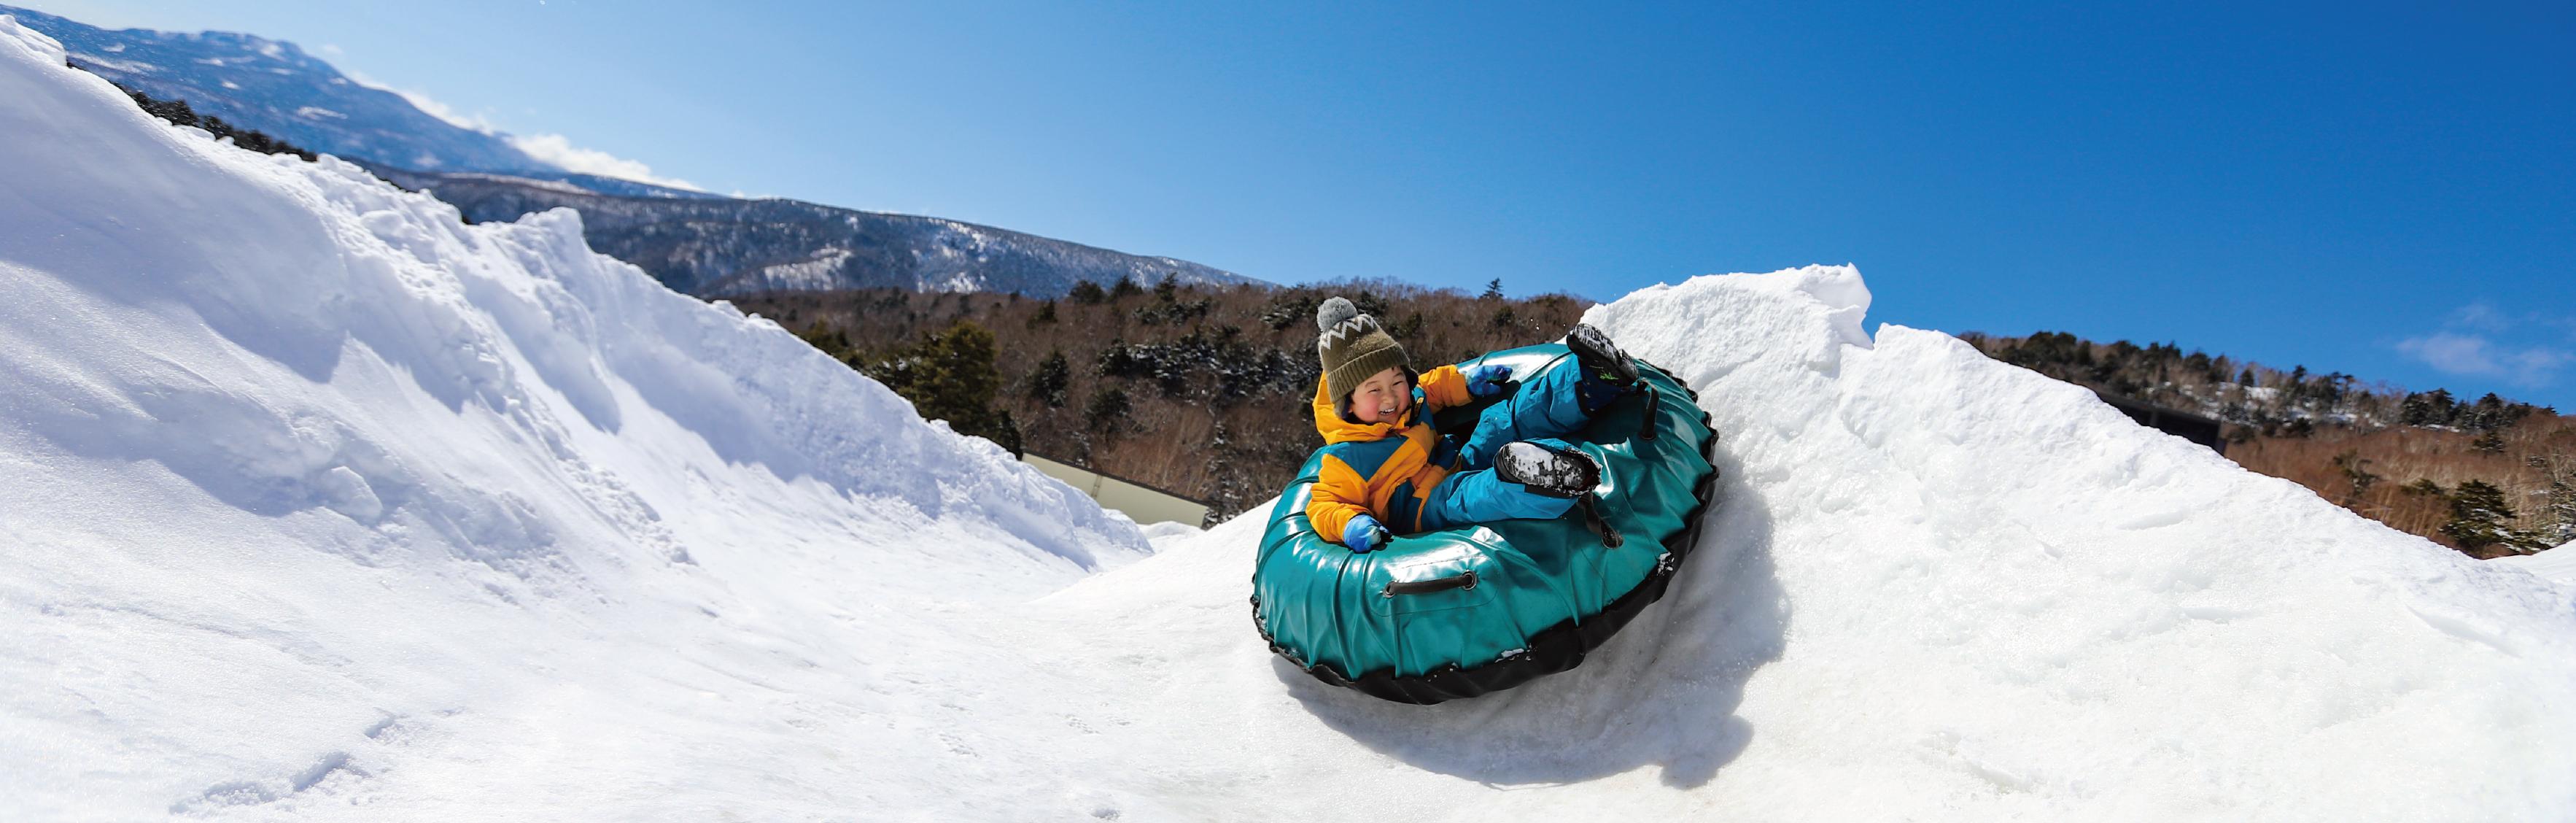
[(1353, 346)]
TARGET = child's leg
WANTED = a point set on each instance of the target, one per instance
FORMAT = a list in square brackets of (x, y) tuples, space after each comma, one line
[(1482, 495), (1608, 373), (1546, 406), (1560, 401)]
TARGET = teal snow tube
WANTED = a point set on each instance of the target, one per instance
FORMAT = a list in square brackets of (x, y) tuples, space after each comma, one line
[(1461, 612)]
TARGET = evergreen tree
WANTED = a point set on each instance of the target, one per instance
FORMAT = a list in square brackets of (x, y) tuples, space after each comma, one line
[(1125, 288), (2480, 518), (2489, 443), (823, 337), (950, 376), (1121, 360), (1493, 290), (1292, 307), (2433, 408), (1108, 410), (2056, 354), (1088, 293), (2492, 412), (1048, 383)]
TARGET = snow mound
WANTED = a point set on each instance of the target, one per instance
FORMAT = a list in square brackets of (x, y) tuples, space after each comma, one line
[(2557, 564), (1934, 587), (303, 473), (321, 505)]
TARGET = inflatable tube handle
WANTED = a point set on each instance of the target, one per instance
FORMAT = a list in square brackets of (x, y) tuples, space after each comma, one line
[(1466, 580), (1591, 505), (1647, 430)]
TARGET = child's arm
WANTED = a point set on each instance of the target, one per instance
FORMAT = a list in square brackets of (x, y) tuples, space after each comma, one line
[(1338, 495), (1444, 387)]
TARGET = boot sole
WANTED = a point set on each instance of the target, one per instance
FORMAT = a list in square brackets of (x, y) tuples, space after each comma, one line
[(1546, 471)]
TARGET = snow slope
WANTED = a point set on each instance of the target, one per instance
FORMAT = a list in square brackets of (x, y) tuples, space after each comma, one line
[(318, 504), (309, 490), (2556, 564), (1936, 587)]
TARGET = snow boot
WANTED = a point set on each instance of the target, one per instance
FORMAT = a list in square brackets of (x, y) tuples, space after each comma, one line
[(1559, 473), (1608, 373), (1549, 472)]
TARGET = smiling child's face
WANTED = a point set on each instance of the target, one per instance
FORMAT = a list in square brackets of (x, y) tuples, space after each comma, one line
[(1383, 397)]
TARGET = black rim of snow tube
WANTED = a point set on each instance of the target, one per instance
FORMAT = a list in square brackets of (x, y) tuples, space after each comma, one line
[(1557, 648)]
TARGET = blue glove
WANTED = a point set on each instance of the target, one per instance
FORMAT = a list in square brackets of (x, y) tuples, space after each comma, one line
[(1364, 535), (1487, 380)]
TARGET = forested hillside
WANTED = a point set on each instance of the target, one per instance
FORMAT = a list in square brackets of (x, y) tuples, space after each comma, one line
[(1204, 391), (1200, 390)]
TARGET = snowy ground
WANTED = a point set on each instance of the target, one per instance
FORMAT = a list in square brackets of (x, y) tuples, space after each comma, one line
[(2556, 564), (318, 504)]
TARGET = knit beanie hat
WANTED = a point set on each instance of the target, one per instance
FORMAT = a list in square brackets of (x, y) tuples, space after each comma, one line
[(1353, 347)]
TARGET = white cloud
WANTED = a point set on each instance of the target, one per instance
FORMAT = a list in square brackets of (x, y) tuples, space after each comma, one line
[(2469, 354), (2537, 364), (431, 106), (2453, 353), (559, 150), (442, 111), (554, 149), (2481, 315)]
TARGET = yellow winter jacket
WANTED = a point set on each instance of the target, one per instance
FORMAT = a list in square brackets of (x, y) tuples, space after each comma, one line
[(1385, 469)]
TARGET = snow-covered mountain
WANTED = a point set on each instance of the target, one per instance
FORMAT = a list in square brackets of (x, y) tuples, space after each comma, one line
[(716, 247), (275, 87), (723, 246), (319, 503)]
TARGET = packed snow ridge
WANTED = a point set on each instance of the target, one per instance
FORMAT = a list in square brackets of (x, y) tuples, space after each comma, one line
[(2556, 564), (320, 504)]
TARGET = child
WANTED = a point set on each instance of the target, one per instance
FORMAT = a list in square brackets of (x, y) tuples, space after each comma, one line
[(1384, 471)]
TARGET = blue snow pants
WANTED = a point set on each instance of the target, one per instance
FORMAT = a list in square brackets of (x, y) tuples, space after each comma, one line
[(1543, 410)]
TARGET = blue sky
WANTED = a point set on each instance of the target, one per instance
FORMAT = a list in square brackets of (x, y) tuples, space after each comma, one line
[(2380, 189)]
